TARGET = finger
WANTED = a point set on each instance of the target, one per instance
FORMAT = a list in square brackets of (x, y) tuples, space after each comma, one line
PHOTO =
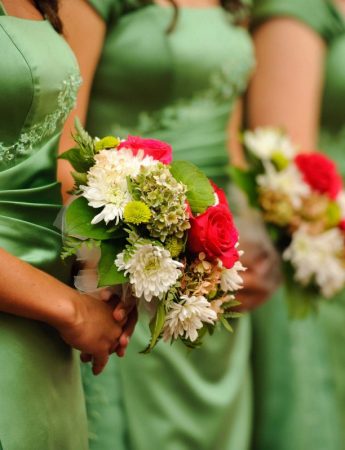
[(105, 295), (121, 352), (122, 310), (98, 363), (114, 347), (130, 325), (85, 357)]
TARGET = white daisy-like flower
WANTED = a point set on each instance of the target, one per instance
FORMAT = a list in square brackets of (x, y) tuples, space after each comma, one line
[(231, 279), (288, 182), (187, 317), (107, 184), (318, 257), (151, 269), (265, 142)]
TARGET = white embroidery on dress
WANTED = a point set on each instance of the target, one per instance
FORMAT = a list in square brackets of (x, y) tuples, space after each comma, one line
[(35, 134), (224, 86)]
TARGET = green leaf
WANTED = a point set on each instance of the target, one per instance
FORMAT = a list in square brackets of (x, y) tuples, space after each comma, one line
[(156, 327), (78, 221), (135, 194), (79, 178), (109, 275), (246, 181), (200, 193), (77, 160), (226, 324), (85, 143)]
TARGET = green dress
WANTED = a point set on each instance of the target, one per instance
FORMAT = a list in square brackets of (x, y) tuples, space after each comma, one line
[(299, 374), (41, 399), (179, 87)]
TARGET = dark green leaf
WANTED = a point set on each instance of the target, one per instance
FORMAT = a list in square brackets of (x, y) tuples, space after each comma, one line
[(200, 193), (246, 181), (226, 324), (109, 275), (85, 142), (78, 221), (79, 178), (156, 327), (77, 160)]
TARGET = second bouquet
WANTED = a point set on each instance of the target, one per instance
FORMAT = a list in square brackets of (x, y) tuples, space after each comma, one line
[(163, 229)]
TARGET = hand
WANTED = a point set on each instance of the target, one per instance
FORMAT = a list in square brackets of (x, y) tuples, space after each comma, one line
[(126, 314), (93, 331)]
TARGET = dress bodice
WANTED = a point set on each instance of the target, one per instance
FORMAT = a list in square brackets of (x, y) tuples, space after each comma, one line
[(39, 79), (179, 86), (34, 99)]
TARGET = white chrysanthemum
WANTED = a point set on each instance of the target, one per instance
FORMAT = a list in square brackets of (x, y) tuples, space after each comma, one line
[(231, 280), (107, 184), (151, 270), (288, 182), (318, 257), (265, 142), (186, 318)]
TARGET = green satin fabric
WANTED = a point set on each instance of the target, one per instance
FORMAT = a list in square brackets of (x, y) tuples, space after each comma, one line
[(179, 87), (41, 399), (300, 365)]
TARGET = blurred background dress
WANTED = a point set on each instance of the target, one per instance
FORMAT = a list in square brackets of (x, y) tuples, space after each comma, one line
[(179, 87), (300, 365)]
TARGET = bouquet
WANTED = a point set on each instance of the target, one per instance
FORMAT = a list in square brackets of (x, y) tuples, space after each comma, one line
[(302, 200), (163, 230)]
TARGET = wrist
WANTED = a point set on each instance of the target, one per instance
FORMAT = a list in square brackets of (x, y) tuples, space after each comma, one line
[(66, 312)]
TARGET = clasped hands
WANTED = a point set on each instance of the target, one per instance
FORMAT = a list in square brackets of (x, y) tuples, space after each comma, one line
[(99, 327)]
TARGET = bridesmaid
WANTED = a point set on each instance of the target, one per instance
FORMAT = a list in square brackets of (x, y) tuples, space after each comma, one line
[(300, 365), (41, 318), (177, 80)]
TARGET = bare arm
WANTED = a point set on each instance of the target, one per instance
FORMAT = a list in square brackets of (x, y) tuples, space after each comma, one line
[(83, 322), (287, 86), (236, 153), (85, 37)]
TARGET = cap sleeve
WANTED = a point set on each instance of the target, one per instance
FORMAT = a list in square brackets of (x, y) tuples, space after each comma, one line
[(111, 10), (320, 15)]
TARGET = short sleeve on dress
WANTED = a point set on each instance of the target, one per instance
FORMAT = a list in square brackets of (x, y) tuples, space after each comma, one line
[(320, 15), (112, 10)]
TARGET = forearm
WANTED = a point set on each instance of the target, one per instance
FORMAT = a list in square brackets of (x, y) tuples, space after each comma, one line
[(28, 292), (236, 153), (286, 89)]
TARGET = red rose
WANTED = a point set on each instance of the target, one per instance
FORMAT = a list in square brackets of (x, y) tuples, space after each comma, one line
[(320, 173), (159, 150), (342, 225), (220, 194), (214, 233)]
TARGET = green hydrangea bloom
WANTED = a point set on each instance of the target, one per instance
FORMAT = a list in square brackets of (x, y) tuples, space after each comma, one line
[(174, 246), (166, 198)]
